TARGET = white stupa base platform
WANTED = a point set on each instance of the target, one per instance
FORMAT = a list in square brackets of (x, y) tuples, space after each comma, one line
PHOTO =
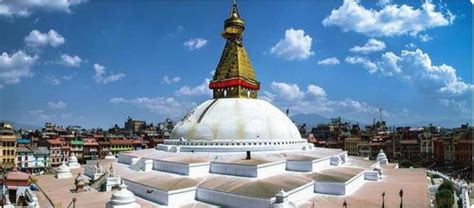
[(63, 175), (74, 165)]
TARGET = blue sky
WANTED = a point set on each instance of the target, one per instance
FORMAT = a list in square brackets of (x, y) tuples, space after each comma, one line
[(93, 63)]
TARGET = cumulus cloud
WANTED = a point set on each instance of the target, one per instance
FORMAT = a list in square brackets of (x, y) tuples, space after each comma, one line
[(329, 61), (314, 100), (372, 45), (70, 61), (167, 106), (365, 62), (425, 37), (294, 46), (54, 80), (416, 67), (16, 66), (24, 8), (101, 79), (391, 20), (57, 105), (195, 43), (38, 39), (202, 89), (170, 80)]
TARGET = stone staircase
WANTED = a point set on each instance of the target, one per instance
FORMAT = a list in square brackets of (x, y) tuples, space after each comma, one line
[(98, 183), (139, 165)]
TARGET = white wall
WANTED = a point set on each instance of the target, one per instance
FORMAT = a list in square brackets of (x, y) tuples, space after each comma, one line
[(229, 200)]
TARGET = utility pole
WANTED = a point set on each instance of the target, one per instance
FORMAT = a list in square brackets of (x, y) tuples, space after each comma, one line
[(383, 199), (380, 112)]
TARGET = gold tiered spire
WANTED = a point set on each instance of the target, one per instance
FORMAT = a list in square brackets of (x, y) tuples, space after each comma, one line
[(234, 76)]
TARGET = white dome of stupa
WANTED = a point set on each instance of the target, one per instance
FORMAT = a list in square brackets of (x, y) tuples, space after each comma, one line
[(236, 122), (63, 168), (122, 198), (382, 158)]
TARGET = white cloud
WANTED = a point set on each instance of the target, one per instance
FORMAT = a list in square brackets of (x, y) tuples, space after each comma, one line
[(54, 80), (316, 91), (101, 79), (42, 115), (382, 3), (38, 39), (16, 66), (57, 105), (372, 45), (202, 89), (472, 1), (171, 80), (458, 105), (391, 20), (71, 61), (23, 8), (294, 46), (416, 67), (425, 37), (366, 63), (411, 45), (195, 43), (315, 101), (329, 61), (287, 91), (167, 106)]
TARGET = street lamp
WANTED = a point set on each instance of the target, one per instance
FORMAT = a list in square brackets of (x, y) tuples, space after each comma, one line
[(401, 198), (383, 199)]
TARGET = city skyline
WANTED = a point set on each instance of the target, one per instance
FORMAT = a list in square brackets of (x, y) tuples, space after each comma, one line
[(76, 64)]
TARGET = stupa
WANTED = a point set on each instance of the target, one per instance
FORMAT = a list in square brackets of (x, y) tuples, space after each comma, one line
[(382, 158), (63, 171), (234, 120), (122, 199), (73, 162)]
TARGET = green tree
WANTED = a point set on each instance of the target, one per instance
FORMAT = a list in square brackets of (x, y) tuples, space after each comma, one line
[(444, 198)]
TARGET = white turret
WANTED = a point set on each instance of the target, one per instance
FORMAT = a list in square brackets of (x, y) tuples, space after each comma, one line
[(109, 156), (73, 164), (122, 199), (382, 158), (63, 171)]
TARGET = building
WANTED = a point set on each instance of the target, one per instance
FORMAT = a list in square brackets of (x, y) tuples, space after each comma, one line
[(351, 145), (34, 160), (134, 125), (77, 147), (91, 149), (55, 151), (7, 145), (120, 145)]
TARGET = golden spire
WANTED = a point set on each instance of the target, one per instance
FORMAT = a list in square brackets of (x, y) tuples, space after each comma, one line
[(234, 76)]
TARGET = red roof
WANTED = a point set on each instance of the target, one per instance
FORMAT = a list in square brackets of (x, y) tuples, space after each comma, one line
[(136, 141), (408, 141), (120, 141), (16, 175), (55, 141), (90, 141)]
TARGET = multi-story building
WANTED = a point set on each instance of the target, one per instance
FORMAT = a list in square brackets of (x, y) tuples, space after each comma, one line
[(120, 145), (91, 149), (364, 148), (410, 149), (448, 148), (134, 125), (104, 148), (7, 145), (25, 159), (42, 159), (351, 145), (77, 147), (426, 146), (55, 151), (463, 151)]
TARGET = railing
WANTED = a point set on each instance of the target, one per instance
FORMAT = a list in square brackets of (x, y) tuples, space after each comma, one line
[(460, 185)]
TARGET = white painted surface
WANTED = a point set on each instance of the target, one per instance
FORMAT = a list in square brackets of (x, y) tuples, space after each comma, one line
[(371, 175), (171, 199), (253, 171), (235, 119)]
